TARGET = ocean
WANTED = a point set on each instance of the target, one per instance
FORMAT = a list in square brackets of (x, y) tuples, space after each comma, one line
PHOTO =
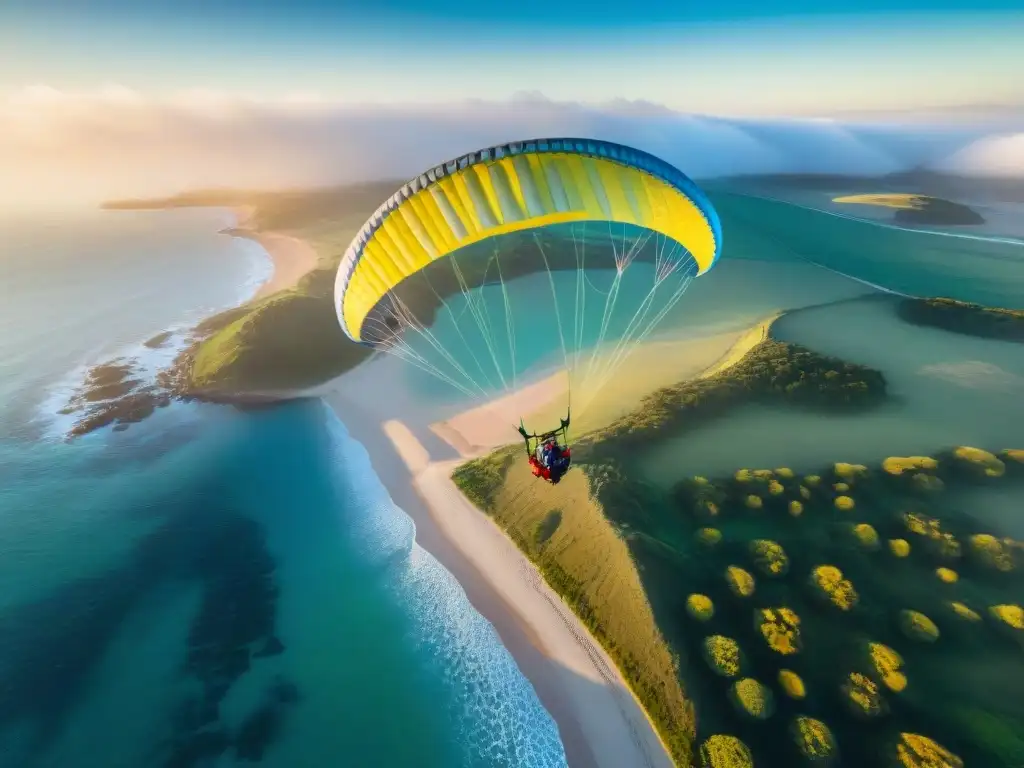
[(211, 586)]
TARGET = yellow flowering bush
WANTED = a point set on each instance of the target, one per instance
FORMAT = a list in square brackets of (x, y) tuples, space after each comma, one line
[(944, 544), (1012, 615), (812, 480), (762, 474), (964, 612), (899, 547), (700, 480), (866, 535), (700, 607), (710, 508), (991, 551), (787, 474), (721, 751), (916, 751), (740, 581), (723, 655), (947, 575), (709, 536), (887, 664), (791, 683), (814, 739), (841, 487), (752, 698), (840, 592), (917, 626), (805, 492), (849, 471), (844, 503), (753, 501), (796, 508), (775, 488), (780, 628), (1012, 454), (770, 557), (863, 695), (743, 476), (982, 461), (897, 465)]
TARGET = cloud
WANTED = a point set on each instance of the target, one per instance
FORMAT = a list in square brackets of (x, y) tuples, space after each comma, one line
[(60, 146), (1001, 155)]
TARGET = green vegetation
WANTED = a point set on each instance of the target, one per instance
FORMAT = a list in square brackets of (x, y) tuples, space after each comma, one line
[(586, 561), (291, 339), (875, 607), (964, 317), (773, 371)]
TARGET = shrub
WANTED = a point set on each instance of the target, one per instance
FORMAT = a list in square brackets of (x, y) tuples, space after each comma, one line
[(770, 557), (709, 536), (844, 503), (863, 696), (721, 751), (814, 739), (917, 626), (791, 684), (915, 751), (887, 664), (1012, 615), (948, 575), (979, 461), (841, 487), (991, 551), (899, 547), (753, 502), (866, 535), (700, 607), (964, 612), (829, 581), (796, 508), (897, 465), (780, 628), (850, 472), (752, 698), (723, 655), (740, 581)]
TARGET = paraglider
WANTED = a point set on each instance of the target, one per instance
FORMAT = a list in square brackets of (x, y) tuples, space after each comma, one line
[(428, 270)]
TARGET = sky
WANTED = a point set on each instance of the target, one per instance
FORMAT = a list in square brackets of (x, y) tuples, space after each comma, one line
[(130, 90)]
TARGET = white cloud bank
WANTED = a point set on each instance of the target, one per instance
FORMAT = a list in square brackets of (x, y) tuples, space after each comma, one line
[(64, 147)]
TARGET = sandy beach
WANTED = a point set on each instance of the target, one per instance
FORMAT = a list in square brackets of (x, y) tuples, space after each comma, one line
[(292, 257), (601, 722)]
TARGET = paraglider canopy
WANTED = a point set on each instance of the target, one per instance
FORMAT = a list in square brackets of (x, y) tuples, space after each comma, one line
[(421, 282), (514, 187)]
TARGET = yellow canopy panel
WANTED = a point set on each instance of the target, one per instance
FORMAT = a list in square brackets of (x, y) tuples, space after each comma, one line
[(514, 187)]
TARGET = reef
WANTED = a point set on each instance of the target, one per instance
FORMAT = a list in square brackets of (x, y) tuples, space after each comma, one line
[(965, 318), (53, 647)]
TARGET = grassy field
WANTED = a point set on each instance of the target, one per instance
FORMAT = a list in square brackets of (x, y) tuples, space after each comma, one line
[(580, 554)]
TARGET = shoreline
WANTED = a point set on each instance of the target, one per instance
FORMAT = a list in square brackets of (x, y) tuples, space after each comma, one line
[(600, 722), (291, 257), (599, 717)]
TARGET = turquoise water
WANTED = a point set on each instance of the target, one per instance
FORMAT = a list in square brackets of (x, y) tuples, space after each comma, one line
[(212, 586)]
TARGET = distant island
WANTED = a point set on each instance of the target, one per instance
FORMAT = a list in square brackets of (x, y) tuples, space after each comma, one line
[(918, 209)]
